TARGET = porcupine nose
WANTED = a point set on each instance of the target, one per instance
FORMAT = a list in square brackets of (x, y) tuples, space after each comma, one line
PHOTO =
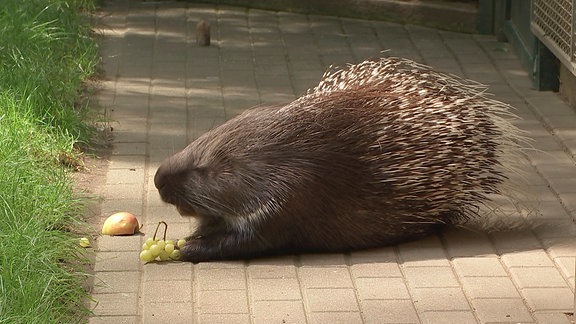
[(167, 173), (160, 177)]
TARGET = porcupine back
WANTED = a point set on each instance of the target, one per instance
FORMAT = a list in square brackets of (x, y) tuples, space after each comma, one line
[(443, 144)]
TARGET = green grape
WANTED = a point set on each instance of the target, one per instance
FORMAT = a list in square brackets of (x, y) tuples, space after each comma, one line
[(145, 247), (155, 250), (170, 242), (175, 255), (181, 242), (161, 244), (169, 248), (146, 256), (164, 256), (150, 241)]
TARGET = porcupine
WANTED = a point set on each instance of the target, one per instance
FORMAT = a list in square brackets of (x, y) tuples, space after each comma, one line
[(379, 153)]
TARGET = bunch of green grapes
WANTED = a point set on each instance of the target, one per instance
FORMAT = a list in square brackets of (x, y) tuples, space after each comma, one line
[(155, 249), (161, 250)]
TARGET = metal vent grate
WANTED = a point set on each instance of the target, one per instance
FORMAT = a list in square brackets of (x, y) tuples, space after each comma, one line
[(553, 22)]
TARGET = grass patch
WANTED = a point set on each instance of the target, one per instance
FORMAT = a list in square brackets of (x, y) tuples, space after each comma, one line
[(46, 53)]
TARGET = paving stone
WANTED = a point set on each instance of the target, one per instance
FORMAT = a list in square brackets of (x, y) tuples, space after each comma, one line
[(222, 302), (450, 317), (537, 277), (420, 277), (107, 243), (501, 310), (278, 311), (167, 271), (114, 319), (427, 252), (552, 317), (224, 318), (275, 289), (375, 270), (325, 277), (549, 298), (381, 288), (167, 291), (489, 287), (439, 299), (116, 282), (463, 243), (389, 311), (329, 259), (279, 268), (221, 279), (535, 258), (114, 304), (172, 312), (479, 267), (331, 300), (117, 261), (517, 241), (335, 317)]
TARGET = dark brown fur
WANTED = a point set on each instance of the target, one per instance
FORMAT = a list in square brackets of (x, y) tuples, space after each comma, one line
[(362, 165)]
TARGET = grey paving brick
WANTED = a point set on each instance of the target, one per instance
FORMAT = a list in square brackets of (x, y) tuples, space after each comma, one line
[(439, 299), (111, 206), (549, 298), (536, 258), (114, 319), (375, 269), (489, 287), (275, 289), (463, 243), (117, 261), (221, 279), (422, 277), (516, 241), (329, 259), (273, 268), (167, 271), (325, 277), (331, 300), (116, 282), (278, 311), (224, 318), (479, 267), (125, 176), (389, 311), (537, 277), (115, 304), (222, 302), (427, 252), (449, 317), (107, 243), (173, 312), (552, 317), (381, 288), (335, 317), (124, 192), (167, 291), (501, 310)]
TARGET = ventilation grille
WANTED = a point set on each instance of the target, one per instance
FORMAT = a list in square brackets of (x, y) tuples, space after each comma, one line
[(553, 23)]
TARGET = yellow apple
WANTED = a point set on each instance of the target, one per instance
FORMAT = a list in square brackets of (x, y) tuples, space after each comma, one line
[(122, 223)]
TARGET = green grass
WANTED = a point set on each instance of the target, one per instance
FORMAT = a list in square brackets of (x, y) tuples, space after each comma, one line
[(46, 54)]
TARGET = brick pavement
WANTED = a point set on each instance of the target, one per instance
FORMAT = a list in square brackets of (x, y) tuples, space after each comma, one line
[(161, 91)]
